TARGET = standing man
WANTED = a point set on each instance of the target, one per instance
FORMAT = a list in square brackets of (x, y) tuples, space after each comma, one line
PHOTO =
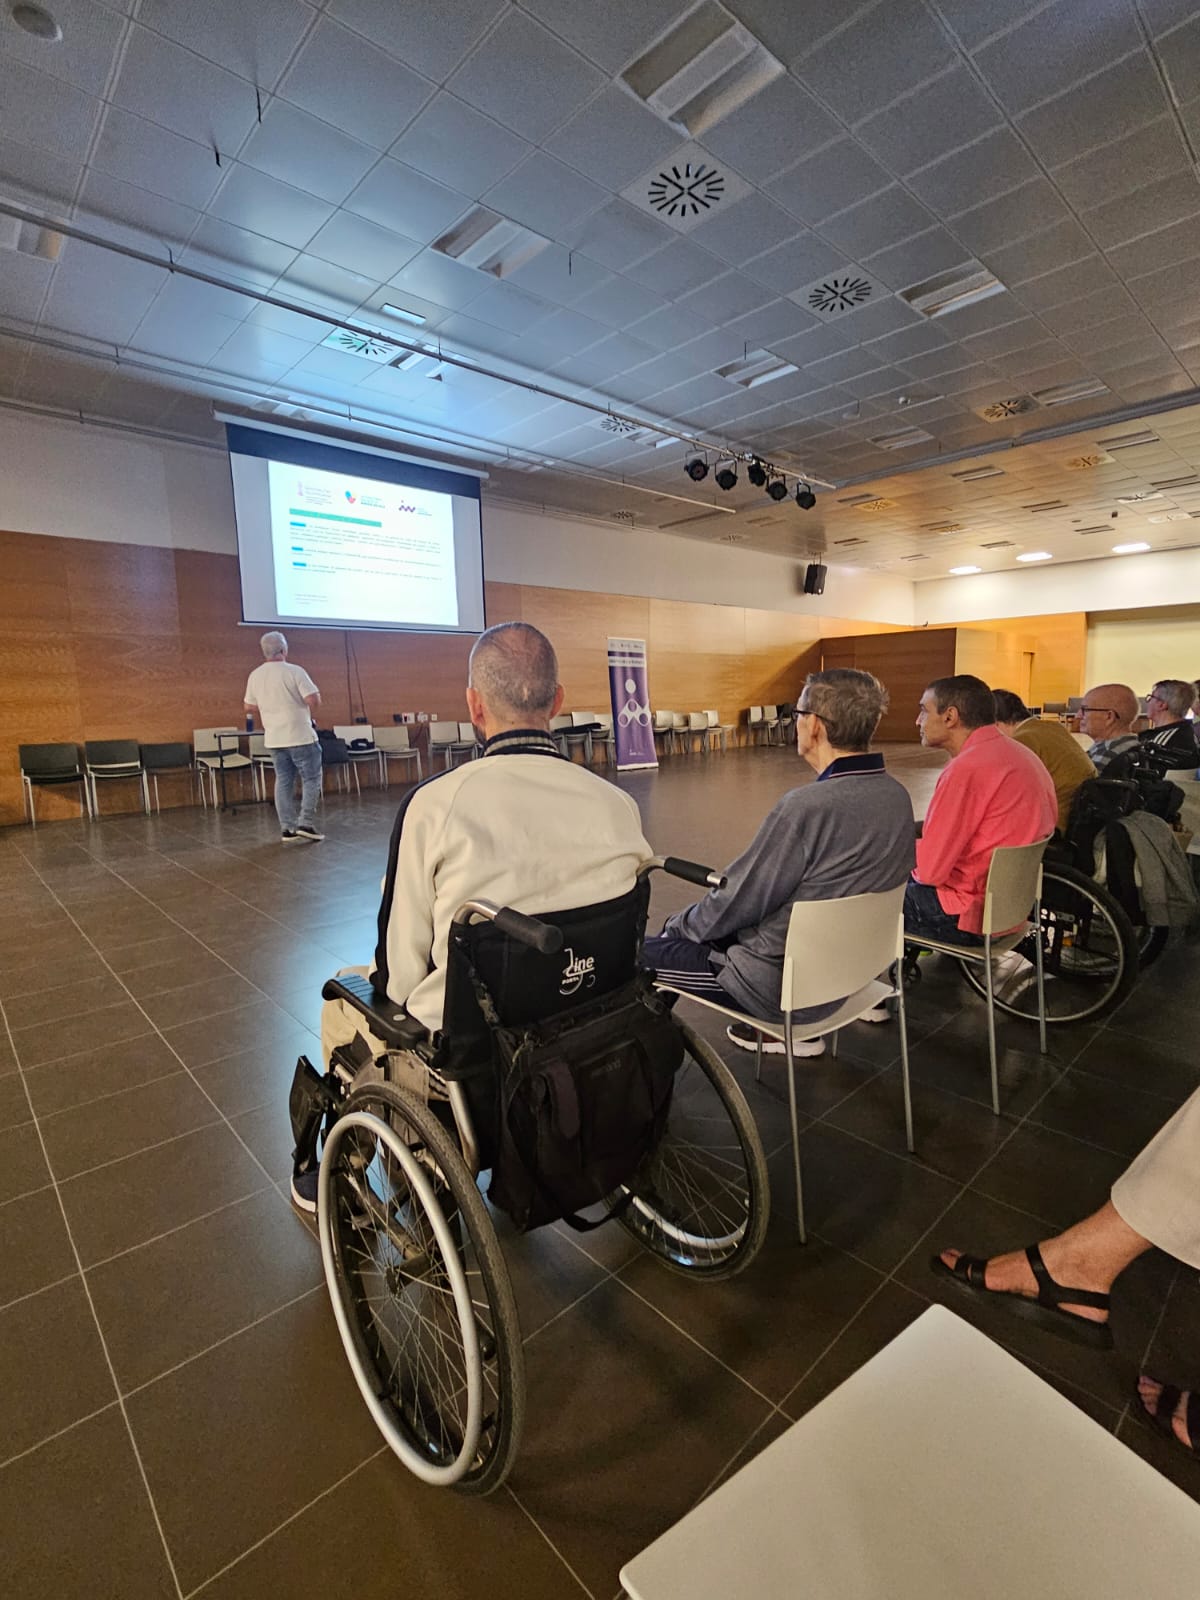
[(1170, 740), (1107, 716), (285, 700)]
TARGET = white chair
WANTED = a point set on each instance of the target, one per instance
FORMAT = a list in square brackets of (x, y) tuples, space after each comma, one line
[(560, 726), (717, 729), (697, 728), (604, 738), (1014, 884), (212, 756), (582, 724), (261, 762), (833, 945), (362, 730), (393, 744), (774, 726), (446, 737), (664, 729), (468, 740), (757, 726)]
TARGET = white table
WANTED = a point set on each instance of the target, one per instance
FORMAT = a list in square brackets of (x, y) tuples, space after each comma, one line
[(942, 1470)]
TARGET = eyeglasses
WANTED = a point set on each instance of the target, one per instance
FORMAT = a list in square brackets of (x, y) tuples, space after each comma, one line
[(1157, 698), (807, 711), (1085, 711)]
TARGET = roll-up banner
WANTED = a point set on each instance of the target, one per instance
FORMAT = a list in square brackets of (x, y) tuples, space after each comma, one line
[(630, 693)]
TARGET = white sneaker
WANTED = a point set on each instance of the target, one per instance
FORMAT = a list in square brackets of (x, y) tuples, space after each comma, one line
[(746, 1039), (876, 1014)]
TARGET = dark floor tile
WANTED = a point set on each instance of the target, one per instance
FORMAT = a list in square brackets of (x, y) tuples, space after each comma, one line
[(958, 1062), (121, 1124), (252, 1078), (1150, 1015), (31, 977), (168, 1300), (821, 1083), (52, 1366), (1165, 1455), (1065, 1041), (1101, 1411), (547, 1270), (119, 931), (225, 992), (858, 1198), (775, 1426), (271, 1418), (14, 1106), (884, 1316), (304, 1004), (70, 999), (267, 1132), (50, 947), (177, 945), (106, 1069), (1171, 1069), (1174, 1354), (22, 1164), (952, 1135), (262, 1025), (37, 1045), (180, 972), (284, 965), (34, 1247), (118, 1206), (774, 1319), (75, 1522), (8, 1058), (611, 1383), (1104, 1113), (1049, 1175)]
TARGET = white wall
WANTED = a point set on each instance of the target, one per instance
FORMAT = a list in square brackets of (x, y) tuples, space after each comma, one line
[(1161, 578), (1136, 647), (77, 481)]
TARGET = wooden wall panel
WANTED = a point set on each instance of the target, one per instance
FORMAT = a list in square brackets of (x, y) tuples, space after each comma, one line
[(1058, 645), (1000, 659), (904, 662)]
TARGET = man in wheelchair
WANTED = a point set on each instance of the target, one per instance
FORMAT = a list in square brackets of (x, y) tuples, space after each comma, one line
[(521, 827)]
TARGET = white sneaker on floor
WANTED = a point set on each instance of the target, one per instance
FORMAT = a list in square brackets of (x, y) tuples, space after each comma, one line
[(876, 1014), (746, 1039)]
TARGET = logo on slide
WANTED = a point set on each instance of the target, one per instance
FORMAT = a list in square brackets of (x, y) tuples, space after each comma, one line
[(349, 497)]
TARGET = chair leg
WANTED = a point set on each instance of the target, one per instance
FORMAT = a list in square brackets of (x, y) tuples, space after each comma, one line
[(27, 796), (758, 1060), (904, 1079), (791, 1077), (145, 795), (987, 967), (833, 1043), (1041, 976)]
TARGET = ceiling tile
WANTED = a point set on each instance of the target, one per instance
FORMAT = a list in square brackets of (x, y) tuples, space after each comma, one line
[(748, 228), (1012, 216), (509, 309), (99, 294), (973, 23), (769, 325), (1088, 310), (1165, 249), (135, 216), (292, 324), (1114, 103), (131, 148), (615, 354), (559, 275), (609, 34), (262, 204), (1153, 206), (1054, 247), (934, 365), (325, 286), (190, 300), (1091, 337), (772, 130), (724, 298), (1077, 278), (226, 251), (568, 331), (544, 195), (792, 265), (83, 56), (256, 41), (923, 256), (397, 197), (1022, 333), (44, 112), (1179, 52), (437, 278), (878, 57), (1120, 168), (525, 78), (618, 234), (457, 145), (951, 111), (306, 153), (875, 224), (789, 30), (196, 339), (991, 166), (811, 345), (920, 339), (1056, 48), (45, 176), (876, 318), (676, 268), (619, 302), (23, 284), (613, 139), (181, 91), (836, 177), (432, 40), (355, 86), (358, 245)]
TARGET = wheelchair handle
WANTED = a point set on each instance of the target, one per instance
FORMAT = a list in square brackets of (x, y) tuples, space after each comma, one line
[(541, 936), (693, 872)]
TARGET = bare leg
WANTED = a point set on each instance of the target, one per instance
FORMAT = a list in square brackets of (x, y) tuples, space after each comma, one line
[(1089, 1255)]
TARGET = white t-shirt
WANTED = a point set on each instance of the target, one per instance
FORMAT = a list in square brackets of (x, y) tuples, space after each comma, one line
[(278, 689)]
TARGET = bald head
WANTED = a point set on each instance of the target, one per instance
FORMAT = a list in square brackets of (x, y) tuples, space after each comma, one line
[(1113, 706), (514, 675)]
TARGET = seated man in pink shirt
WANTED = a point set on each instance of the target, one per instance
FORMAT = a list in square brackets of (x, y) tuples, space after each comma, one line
[(992, 792)]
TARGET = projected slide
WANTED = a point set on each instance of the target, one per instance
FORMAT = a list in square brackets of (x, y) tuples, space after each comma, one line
[(359, 548)]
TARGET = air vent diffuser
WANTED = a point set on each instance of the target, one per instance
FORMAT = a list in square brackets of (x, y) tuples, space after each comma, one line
[(879, 504), (1015, 406), (685, 189), (359, 344), (1086, 463), (836, 293), (618, 426)]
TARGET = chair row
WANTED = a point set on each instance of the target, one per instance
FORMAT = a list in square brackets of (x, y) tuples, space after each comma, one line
[(679, 730), (770, 724)]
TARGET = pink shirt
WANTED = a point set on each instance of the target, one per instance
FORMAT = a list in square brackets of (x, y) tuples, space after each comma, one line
[(993, 792)]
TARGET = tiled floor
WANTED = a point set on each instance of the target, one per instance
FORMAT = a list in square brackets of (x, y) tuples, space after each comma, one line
[(175, 1412)]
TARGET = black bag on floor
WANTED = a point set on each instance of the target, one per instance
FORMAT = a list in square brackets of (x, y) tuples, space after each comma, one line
[(584, 1101)]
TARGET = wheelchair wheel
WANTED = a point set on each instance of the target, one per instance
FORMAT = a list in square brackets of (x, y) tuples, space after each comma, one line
[(702, 1202), (1089, 954), (420, 1292)]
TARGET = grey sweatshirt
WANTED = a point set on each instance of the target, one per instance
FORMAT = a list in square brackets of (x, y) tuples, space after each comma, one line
[(851, 832)]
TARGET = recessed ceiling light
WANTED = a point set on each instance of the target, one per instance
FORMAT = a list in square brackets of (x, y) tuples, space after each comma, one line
[(951, 291), (414, 317), (963, 572), (1035, 555), (34, 20), (1129, 549)]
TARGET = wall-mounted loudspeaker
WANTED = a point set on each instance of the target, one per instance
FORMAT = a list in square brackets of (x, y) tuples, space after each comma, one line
[(814, 578)]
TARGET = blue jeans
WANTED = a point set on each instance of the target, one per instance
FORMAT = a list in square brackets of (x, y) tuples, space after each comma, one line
[(923, 914), (301, 761)]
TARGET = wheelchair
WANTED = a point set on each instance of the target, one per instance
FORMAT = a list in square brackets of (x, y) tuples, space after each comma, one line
[(413, 1265)]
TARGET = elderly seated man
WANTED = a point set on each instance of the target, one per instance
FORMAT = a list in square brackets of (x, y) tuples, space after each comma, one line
[(522, 827), (1170, 740), (1054, 746), (1107, 716), (850, 832)]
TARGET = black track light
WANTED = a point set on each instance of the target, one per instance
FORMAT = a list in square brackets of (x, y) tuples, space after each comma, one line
[(757, 473), (805, 498), (777, 489), (726, 475), (697, 469)]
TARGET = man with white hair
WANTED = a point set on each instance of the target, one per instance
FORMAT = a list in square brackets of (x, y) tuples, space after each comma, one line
[(1170, 740), (285, 700)]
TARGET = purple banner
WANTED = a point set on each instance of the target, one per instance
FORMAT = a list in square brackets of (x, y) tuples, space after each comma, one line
[(628, 687)]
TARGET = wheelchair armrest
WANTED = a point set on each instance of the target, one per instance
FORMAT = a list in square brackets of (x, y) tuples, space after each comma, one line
[(389, 1021)]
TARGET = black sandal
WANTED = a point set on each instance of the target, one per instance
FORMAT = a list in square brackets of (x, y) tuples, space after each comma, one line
[(968, 1272), (1162, 1418)]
